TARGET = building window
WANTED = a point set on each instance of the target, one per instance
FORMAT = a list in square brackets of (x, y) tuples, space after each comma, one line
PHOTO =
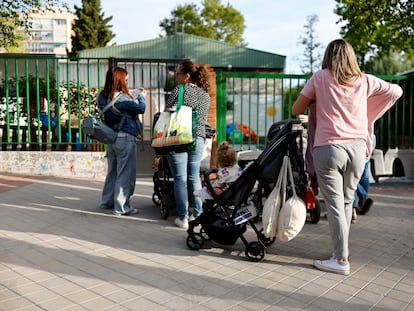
[(60, 21)]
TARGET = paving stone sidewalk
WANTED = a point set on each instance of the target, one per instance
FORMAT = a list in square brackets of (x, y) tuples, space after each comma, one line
[(58, 251)]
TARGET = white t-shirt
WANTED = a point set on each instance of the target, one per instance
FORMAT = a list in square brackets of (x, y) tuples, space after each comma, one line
[(227, 175)]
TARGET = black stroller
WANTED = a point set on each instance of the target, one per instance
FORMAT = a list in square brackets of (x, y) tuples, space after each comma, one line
[(163, 195), (301, 178), (225, 218)]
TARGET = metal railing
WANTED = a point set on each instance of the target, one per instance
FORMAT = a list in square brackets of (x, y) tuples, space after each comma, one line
[(44, 99), (249, 103)]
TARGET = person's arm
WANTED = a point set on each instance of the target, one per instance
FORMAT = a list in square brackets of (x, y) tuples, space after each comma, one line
[(132, 107), (141, 100), (300, 105), (172, 99), (382, 95), (139, 95)]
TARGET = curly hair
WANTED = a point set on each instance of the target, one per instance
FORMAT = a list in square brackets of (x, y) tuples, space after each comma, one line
[(198, 74), (225, 155)]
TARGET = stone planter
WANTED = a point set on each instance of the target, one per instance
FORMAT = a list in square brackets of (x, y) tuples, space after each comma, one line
[(407, 158)]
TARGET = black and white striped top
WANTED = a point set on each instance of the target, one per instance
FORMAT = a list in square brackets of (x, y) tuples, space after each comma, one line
[(194, 97)]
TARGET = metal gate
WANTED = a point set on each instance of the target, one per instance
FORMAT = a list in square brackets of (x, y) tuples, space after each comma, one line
[(44, 98)]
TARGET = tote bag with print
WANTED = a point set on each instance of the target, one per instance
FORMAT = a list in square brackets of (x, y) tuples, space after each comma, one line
[(175, 130)]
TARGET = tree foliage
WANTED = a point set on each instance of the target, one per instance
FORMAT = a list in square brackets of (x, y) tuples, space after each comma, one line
[(214, 21), (14, 17), (389, 64), (91, 29), (312, 48), (377, 27)]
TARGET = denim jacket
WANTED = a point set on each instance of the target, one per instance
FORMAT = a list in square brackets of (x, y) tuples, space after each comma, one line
[(125, 105)]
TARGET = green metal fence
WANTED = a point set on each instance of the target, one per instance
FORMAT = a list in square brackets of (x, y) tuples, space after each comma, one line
[(248, 103), (44, 99)]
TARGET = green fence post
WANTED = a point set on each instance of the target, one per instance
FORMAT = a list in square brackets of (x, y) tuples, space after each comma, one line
[(221, 107)]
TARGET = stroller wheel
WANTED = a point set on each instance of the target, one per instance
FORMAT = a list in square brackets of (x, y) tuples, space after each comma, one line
[(204, 235), (315, 213), (164, 210), (167, 203), (195, 241), (255, 251), (156, 199), (265, 240)]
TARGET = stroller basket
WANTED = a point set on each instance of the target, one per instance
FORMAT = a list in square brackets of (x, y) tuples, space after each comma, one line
[(219, 230)]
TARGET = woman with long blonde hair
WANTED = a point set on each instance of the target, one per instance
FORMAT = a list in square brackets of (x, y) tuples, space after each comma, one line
[(347, 103)]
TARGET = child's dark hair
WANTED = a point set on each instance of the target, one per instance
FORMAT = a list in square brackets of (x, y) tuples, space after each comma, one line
[(225, 155)]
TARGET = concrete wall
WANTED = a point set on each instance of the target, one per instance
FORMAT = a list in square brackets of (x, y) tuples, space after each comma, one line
[(78, 164), (407, 158), (88, 165)]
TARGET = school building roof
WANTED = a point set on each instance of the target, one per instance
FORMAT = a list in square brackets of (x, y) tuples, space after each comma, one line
[(199, 49)]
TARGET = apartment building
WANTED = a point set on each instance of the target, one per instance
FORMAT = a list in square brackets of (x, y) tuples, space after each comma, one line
[(50, 33)]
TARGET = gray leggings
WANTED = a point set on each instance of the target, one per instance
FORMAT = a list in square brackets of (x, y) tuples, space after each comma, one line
[(338, 169)]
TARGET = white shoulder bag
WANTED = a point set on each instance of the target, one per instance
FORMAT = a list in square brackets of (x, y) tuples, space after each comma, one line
[(292, 215)]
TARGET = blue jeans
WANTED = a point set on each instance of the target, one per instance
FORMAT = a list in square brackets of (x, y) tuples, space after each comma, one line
[(363, 185), (185, 168), (122, 170)]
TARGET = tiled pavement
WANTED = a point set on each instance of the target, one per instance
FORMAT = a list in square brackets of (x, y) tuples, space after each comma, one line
[(58, 251)]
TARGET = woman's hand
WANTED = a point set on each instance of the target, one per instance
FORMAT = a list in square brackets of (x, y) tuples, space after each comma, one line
[(303, 118)]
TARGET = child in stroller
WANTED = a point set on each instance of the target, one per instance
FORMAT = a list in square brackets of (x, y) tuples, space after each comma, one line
[(225, 218), (226, 173)]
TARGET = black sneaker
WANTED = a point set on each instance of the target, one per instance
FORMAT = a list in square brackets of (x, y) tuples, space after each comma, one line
[(366, 206)]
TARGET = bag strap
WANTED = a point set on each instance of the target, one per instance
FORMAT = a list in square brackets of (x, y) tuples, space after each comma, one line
[(292, 183), (285, 167), (180, 101), (124, 116), (109, 105)]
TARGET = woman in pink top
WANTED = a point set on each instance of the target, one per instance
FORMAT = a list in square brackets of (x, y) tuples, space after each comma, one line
[(347, 103)]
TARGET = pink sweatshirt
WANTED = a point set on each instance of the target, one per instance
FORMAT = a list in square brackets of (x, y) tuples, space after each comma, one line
[(348, 112)]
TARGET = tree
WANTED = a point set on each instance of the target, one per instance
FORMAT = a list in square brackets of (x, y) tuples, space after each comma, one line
[(91, 29), (214, 21), (14, 17), (389, 64), (312, 53), (377, 27)]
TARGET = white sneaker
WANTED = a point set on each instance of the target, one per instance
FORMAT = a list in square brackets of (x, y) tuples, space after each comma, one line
[(332, 265), (181, 223)]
